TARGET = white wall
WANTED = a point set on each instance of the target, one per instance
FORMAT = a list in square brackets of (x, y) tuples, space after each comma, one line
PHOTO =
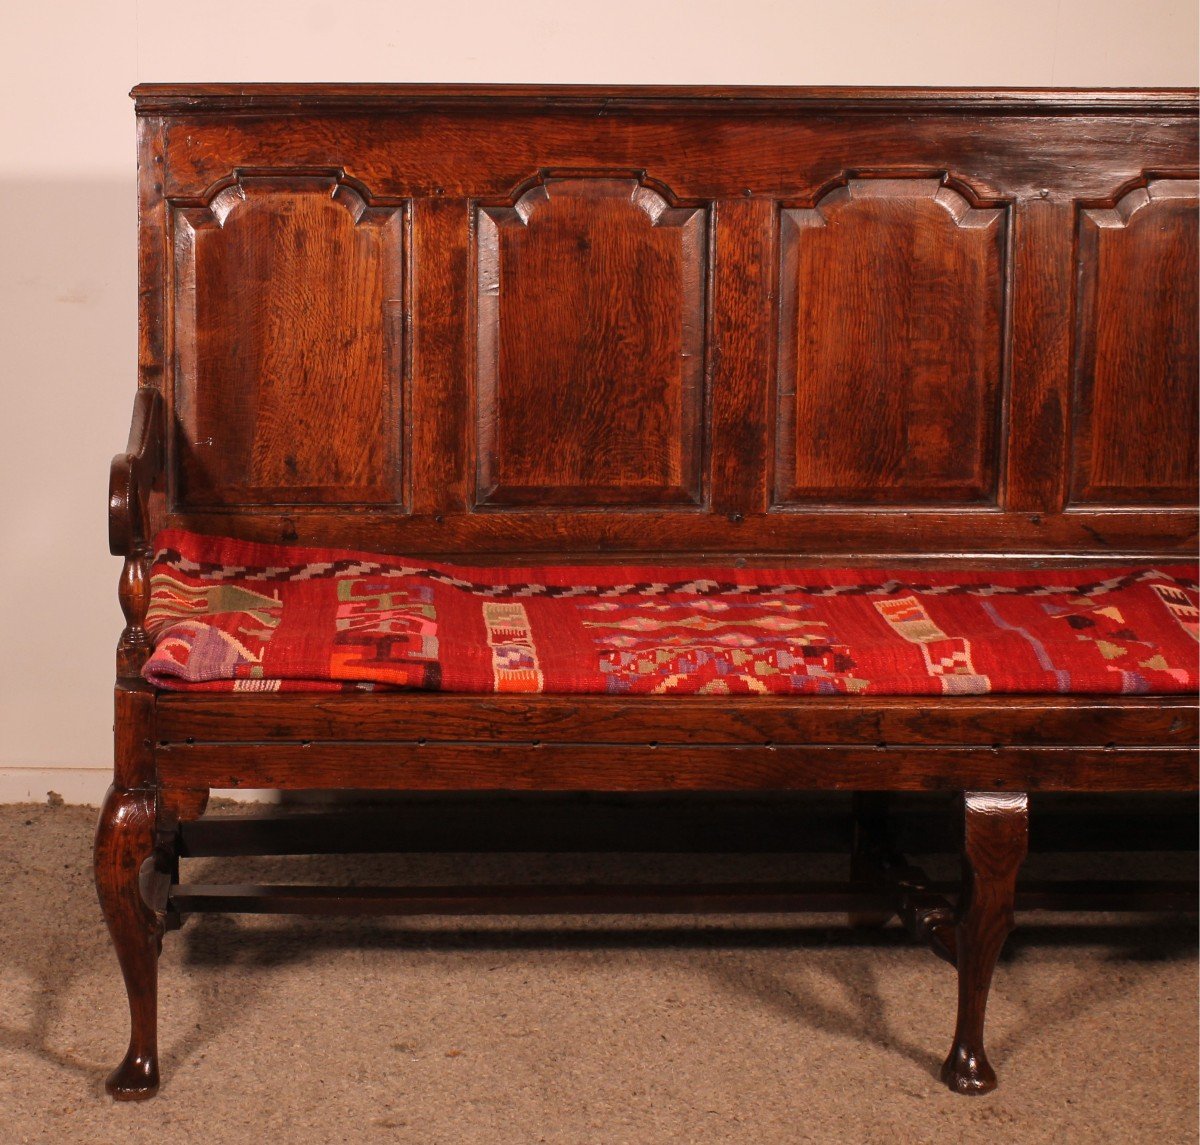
[(67, 267)]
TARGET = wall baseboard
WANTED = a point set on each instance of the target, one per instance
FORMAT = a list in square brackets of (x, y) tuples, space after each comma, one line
[(85, 785), (35, 784)]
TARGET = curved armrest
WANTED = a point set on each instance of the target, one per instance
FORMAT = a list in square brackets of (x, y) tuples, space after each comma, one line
[(135, 473)]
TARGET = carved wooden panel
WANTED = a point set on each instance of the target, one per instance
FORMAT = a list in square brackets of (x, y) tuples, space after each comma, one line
[(591, 329), (288, 319), (444, 162), (891, 346), (1135, 412)]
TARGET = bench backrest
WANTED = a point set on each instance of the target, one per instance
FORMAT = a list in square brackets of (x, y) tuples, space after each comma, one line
[(483, 321)]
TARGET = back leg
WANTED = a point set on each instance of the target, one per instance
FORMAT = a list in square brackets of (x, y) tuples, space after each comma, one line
[(871, 853)]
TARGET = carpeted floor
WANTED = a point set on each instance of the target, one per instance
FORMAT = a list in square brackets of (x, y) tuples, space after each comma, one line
[(574, 1031)]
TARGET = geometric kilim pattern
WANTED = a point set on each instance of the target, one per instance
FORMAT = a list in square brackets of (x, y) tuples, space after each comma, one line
[(1182, 606), (238, 616), (947, 658)]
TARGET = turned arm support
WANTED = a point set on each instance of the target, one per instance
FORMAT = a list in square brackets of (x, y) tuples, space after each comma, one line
[(133, 476)]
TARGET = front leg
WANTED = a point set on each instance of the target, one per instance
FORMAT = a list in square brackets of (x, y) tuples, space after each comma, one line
[(124, 840), (996, 839)]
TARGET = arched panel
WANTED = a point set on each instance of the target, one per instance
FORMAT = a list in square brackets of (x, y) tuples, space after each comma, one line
[(288, 336), (892, 306), (591, 329), (1135, 411)]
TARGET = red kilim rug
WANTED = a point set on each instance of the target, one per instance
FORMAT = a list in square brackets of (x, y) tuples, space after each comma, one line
[(235, 616)]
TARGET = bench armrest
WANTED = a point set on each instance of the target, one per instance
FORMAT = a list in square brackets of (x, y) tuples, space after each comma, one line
[(134, 474)]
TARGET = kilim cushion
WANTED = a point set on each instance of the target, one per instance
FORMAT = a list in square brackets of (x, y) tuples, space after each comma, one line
[(232, 615)]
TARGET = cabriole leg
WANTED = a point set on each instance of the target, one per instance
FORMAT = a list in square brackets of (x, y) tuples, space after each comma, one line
[(124, 840), (996, 836)]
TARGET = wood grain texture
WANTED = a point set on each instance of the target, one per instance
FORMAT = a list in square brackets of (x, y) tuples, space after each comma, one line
[(1037, 409), (152, 253), (133, 734), (222, 99), (124, 840), (709, 153), (288, 308), (892, 299), (523, 765), (941, 470), (133, 476), (996, 838), (441, 461), (591, 330), (988, 720), (1136, 407), (744, 289), (834, 535)]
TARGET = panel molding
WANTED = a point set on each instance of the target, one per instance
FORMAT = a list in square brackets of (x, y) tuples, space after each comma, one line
[(1129, 331), (950, 195), (745, 159), (516, 352), (1143, 194), (355, 312), (938, 470)]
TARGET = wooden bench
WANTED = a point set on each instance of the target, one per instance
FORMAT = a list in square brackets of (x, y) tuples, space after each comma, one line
[(809, 327)]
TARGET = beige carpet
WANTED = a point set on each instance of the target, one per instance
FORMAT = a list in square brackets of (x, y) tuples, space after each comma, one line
[(574, 1030)]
